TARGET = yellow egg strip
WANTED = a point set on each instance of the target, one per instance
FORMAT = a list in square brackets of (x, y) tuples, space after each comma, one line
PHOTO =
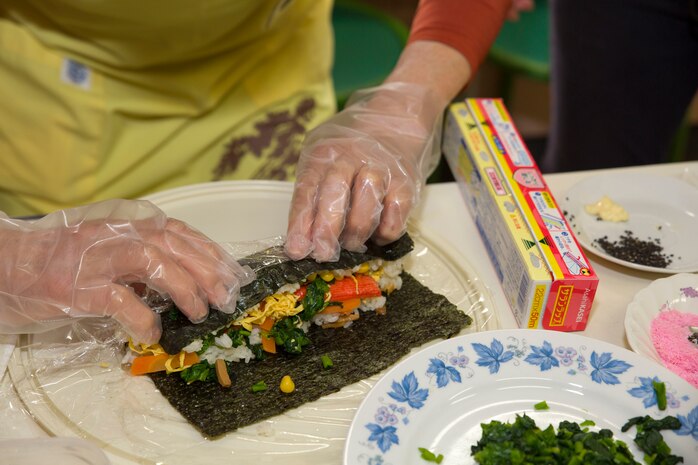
[(144, 349), (275, 306), (168, 364)]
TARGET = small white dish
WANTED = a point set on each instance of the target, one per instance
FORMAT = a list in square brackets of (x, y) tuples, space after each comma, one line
[(678, 292), (660, 207), (437, 398)]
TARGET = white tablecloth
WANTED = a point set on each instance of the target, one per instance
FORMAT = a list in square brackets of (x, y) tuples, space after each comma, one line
[(443, 210)]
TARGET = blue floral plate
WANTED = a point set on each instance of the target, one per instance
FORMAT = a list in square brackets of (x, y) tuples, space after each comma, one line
[(437, 398)]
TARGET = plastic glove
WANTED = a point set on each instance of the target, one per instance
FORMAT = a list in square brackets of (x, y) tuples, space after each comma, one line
[(360, 173), (78, 262)]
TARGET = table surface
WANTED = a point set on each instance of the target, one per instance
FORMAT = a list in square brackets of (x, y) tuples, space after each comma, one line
[(443, 209), (617, 284)]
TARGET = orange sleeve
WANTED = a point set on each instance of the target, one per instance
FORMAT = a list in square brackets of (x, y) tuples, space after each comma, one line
[(469, 26)]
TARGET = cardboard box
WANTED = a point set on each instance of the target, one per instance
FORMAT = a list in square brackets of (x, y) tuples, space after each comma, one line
[(545, 276)]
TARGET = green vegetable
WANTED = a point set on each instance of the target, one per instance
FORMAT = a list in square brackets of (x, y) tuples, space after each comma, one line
[(259, 386), (288, 335), (660, 393), (326, 361), (650, 440), (586, 423), (202, 371), (314, 300), (543, 405), (429, 456), (523, 442)]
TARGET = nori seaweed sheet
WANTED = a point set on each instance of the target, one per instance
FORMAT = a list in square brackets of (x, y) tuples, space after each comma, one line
[(272, 273), (415, 315)]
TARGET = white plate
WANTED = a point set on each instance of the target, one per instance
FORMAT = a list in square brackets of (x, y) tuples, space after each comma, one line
[(660, 207), (678, 292), (438, 398), (74, 390)]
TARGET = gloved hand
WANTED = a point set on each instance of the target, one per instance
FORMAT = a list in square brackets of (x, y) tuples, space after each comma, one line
[(78, 262), (360, 173)]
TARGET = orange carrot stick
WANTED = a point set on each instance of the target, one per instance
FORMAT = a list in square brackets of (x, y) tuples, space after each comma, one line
[(347, 306), (154, 363), (268, 344)]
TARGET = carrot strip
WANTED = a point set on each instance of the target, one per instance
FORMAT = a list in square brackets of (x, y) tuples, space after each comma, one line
[(268, 344), (361, 286), (154, 363), (343, 307), (267, 324)]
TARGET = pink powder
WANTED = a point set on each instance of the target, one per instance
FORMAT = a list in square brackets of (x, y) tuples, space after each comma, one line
[(670, 331)]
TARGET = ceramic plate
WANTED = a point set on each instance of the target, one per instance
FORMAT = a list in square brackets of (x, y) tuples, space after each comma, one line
[(678, 292), (438, 398), (77, 389), (660, 207)]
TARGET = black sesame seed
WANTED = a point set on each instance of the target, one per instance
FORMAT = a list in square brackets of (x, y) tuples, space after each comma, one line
[(693, 338), (635, 250)]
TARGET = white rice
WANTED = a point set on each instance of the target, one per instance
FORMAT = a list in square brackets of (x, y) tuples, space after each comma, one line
[(223, 341), (290, 288), (372, 303), (194, 346), (255, 336), (324, 318), (234, 354)]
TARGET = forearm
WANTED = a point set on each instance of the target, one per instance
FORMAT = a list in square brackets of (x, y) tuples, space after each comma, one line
[(434, 65)]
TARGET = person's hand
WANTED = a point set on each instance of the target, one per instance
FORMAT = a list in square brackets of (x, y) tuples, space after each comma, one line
[(518, 6), (79, 262), (360, 173)]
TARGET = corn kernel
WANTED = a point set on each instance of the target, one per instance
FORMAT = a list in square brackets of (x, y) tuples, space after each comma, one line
[(363, 268), (327, 276), (287, 385)]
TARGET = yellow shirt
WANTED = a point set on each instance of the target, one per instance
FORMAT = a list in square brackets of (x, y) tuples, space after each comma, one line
[(116, 99)]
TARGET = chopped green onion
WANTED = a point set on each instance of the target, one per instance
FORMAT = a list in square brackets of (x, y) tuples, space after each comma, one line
[(660, 392), (429, 456), (587, 423), (326, 361), (260, 386), (543, 405)]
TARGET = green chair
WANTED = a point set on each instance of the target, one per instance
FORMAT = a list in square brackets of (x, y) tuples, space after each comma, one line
[(368, 43)]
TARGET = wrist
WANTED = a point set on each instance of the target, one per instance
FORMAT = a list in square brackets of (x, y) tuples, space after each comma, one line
[(433, 65)]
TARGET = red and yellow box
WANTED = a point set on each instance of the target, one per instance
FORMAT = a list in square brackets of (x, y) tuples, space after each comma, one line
[(545, 276)]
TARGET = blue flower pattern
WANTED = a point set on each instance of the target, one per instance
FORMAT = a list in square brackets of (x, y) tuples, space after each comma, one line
[(689, 424), (385, 437), (606, 368), (408, 391), (444, 374), (543, 357), (448, 369), (493, 356)]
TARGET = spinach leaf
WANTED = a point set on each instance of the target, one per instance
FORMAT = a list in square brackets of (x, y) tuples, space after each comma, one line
[(314, 300), (288, 335), (202, 371)]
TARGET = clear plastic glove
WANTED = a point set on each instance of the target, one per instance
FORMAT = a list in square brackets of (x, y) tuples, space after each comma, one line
[(79, 262), (361, 172)]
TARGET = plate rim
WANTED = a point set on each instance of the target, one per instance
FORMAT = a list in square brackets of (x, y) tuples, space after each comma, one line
[(635, 304)]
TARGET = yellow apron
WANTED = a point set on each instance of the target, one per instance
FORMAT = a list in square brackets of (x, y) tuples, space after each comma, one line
[(117, 99)]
